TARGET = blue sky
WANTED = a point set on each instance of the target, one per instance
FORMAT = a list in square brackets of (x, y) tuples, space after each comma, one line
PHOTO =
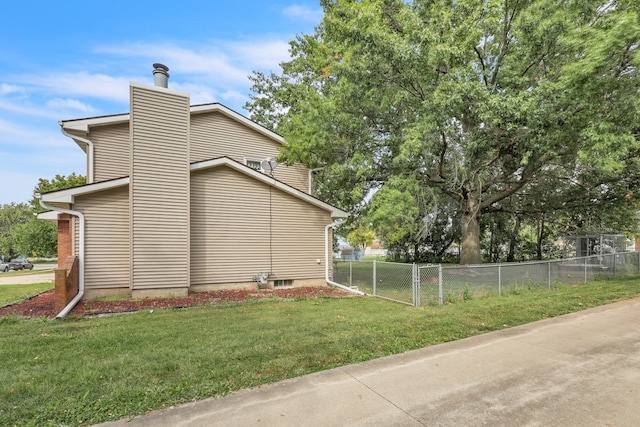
[(70, 59)]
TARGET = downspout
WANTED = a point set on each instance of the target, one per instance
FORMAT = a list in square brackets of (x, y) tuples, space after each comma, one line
[(89, 151), (326, 260), (78, 297)]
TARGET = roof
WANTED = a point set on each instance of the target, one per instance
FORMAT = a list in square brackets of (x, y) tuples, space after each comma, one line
[(82, 125), (68, 195)]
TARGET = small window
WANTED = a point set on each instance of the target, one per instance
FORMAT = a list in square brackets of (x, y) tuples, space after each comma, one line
[(283, 283), (253, 164)]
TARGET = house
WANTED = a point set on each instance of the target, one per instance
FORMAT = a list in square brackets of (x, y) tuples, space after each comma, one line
[(183, 198), (376, 249)]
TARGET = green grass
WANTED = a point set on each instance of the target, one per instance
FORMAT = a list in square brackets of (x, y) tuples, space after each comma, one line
[(10, 294), (88, 370)]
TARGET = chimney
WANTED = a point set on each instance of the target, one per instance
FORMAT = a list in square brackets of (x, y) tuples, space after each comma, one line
[(160, 75)]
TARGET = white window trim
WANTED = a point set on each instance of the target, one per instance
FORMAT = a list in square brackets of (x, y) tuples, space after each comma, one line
[(256, 159), (283, 283)]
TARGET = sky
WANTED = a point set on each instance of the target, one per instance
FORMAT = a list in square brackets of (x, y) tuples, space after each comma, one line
[(69, 59)]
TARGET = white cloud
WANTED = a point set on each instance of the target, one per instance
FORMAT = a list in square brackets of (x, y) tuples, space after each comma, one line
[(304, 13), (83, 84), (266, 54), (208, 60), (29, 140), (234, 100), (70, 104), (6, 89), (220, 62), (28, 110)]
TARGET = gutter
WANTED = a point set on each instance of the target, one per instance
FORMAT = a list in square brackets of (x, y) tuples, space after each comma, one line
[(80, 216), (89, 151), (326, 260)]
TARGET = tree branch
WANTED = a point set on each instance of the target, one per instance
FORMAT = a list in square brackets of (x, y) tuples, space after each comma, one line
[(484, 69)]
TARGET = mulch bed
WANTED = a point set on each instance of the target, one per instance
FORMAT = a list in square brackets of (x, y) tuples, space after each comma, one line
[(42, 304)]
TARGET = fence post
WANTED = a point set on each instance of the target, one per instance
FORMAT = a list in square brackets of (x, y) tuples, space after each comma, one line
[(585, 269), (549, 273), (374, 277), (350, 273), (440, 299), (615, 265), (414, 298), (499, 279), (418, 281)]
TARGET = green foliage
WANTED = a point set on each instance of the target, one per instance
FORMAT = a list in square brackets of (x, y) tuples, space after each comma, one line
[(502, 107), (21, 233), (129, 365), (361, 237), (12, 215), (415, 223), (35, 238), (59, 182)]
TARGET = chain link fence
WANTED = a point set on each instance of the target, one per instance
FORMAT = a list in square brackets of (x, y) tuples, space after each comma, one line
[(434, 284)]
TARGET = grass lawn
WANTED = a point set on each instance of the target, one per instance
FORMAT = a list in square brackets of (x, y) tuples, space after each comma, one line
[(10, 294), (87, 370)]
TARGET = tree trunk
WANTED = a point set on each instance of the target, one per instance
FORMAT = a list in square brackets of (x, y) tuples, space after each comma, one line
[(540, 236), (470, 245), (513, 239)]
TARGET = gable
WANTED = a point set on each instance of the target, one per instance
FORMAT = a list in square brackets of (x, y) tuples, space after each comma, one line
[(241, 226), (214, 134), (215, 131)]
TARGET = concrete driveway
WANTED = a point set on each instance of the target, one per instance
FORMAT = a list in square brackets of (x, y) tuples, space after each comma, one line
[(28, 277), (581, 369)]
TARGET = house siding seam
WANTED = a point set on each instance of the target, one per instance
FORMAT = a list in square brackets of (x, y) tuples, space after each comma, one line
[(216, 135), (159, 196), (234, 235)]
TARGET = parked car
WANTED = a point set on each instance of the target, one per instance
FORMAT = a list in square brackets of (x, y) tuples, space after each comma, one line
[(20, 263), (4, 266)]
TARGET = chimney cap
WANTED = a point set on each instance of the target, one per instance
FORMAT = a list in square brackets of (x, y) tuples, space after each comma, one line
[(160, 75), (160, 67)]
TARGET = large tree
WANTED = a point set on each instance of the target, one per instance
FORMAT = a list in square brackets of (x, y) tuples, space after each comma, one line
[(11, 215), (480, 100), (21, 232)]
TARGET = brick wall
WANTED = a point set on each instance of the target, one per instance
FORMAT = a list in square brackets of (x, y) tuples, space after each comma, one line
[(67, 282), (65, 238)]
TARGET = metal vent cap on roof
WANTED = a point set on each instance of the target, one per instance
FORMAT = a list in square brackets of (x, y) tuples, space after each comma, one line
[(160, 75)]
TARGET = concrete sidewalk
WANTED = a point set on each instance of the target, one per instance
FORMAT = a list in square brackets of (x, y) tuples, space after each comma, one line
[(582, 369)]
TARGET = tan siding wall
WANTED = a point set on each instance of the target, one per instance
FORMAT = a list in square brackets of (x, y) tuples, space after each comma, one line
[(230, 231), (106, 238), (159, 189), (298, 237), (215, 135), (111, 151)]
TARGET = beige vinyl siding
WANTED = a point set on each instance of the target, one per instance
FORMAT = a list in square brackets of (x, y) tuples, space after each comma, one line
[(111, 151), (235, 236), (298, 237), (159, 188), (106, 238), (215, 135)]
